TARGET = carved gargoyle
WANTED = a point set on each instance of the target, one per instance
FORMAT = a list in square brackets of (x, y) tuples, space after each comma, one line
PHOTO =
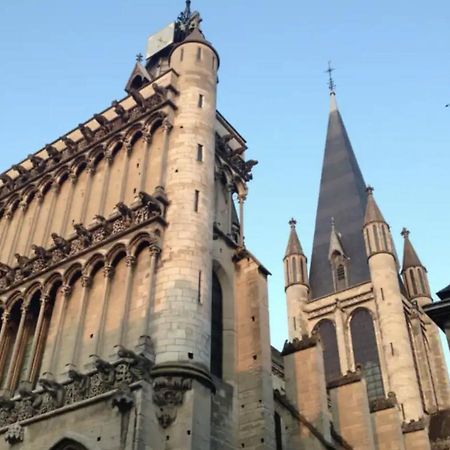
[(83, 234), (55, 389), (150, 202), (37, 162), (105, 369), (106, 226), (140, 366), (26, 392), (7, 180), (123, 399), (159, 90), (25, 264), (87, 133), (103, 122), (124, 211), (120, 111), (54, 154), (61, 243), (138, 98), (41, 252), (80, 378), (8, 273), (23, 173), (70, 144)]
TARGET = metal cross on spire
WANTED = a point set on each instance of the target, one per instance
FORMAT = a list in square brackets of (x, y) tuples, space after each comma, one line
[(331, 84), (139, 57)]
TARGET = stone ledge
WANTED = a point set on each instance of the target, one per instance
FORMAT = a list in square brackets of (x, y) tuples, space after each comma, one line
[(381, 404), (413, 425), (299, 344), (349, 378)]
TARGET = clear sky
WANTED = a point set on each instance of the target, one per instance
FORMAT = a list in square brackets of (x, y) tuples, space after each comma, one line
[(63, 61)]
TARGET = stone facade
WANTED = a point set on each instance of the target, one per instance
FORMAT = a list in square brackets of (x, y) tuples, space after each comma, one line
[(134, 317)]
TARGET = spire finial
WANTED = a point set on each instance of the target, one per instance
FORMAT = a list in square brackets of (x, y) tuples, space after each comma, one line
[(405, 233), (333, 224), (186, 14), (292, 223), (331, 84), (139, 57), (369, 190)]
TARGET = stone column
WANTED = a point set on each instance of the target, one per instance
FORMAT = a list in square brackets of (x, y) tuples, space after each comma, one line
[(86, 282), (3, 338), (66, 291), (148, 142), (109, 273), (16, 348), (126, 165), (341, 333), (131, 264), (154, 252), (37, 335), (91, 172), (107, 175), (23, 208), (37, 206), (167, 128), (55, 190), (241, 200), (73, 182)]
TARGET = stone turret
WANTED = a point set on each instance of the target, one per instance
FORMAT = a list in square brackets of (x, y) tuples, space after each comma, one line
[(414, 273), (395, 340), (182, 312), (296, 284)]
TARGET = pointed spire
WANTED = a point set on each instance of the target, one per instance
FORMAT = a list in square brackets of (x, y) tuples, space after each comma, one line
[(342, 196), (294, 247), (373, 213), (410, 258)]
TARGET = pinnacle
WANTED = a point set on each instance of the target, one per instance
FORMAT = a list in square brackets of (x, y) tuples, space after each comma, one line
[(294, 247), (373, 213), (410, 258)]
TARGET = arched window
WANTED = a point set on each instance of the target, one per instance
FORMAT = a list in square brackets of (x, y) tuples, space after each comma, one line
[(68, 444), (327, 333), (340, 272), (365, 351), (12, 326), (216, 327)]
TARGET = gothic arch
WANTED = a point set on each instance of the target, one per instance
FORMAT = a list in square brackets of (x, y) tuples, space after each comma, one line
[(31, 290), (93, 264), (365, 351), (134, 134), (78, 166), (51, 281), (118, 252), (155, 121), (139, 242), (72, 274), (326, 329), (13, 299)]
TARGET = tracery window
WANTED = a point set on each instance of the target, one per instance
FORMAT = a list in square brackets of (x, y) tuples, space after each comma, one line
[(365, 351), (327, 332), (216, 327)]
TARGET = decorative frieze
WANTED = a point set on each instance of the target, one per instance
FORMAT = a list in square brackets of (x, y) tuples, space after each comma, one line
[(52, 396), (150, 208)]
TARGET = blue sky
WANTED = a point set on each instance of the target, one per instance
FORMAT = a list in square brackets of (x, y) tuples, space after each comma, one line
[(63, 61)]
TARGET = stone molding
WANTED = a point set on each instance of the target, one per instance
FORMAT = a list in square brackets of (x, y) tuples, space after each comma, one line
[(349, 378), (380, 404), (414, 425)]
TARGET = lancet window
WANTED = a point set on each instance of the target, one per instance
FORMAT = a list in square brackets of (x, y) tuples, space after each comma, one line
[(327, 332), (365, 351), (216, 327)]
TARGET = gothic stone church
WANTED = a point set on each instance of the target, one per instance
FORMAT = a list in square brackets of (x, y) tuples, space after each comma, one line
[(133, 317)]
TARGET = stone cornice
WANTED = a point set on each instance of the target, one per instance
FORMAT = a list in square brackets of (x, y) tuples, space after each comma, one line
[(297, 345), (349, 378)]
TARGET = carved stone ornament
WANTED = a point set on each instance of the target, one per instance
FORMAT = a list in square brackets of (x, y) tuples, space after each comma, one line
[(123, 399), (14, 434), (168, 395)]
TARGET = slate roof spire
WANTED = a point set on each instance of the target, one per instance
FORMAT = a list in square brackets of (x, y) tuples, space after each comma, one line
[(410, 258), (294, 247), (342, 196)]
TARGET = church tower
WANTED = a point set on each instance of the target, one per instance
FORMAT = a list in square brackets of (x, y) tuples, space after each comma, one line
[(375, 339)]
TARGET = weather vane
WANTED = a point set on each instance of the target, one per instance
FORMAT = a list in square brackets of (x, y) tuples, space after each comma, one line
[(331, 84)]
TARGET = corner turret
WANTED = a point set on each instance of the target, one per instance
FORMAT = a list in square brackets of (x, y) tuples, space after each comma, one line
[(414, 273), (296, 283)]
